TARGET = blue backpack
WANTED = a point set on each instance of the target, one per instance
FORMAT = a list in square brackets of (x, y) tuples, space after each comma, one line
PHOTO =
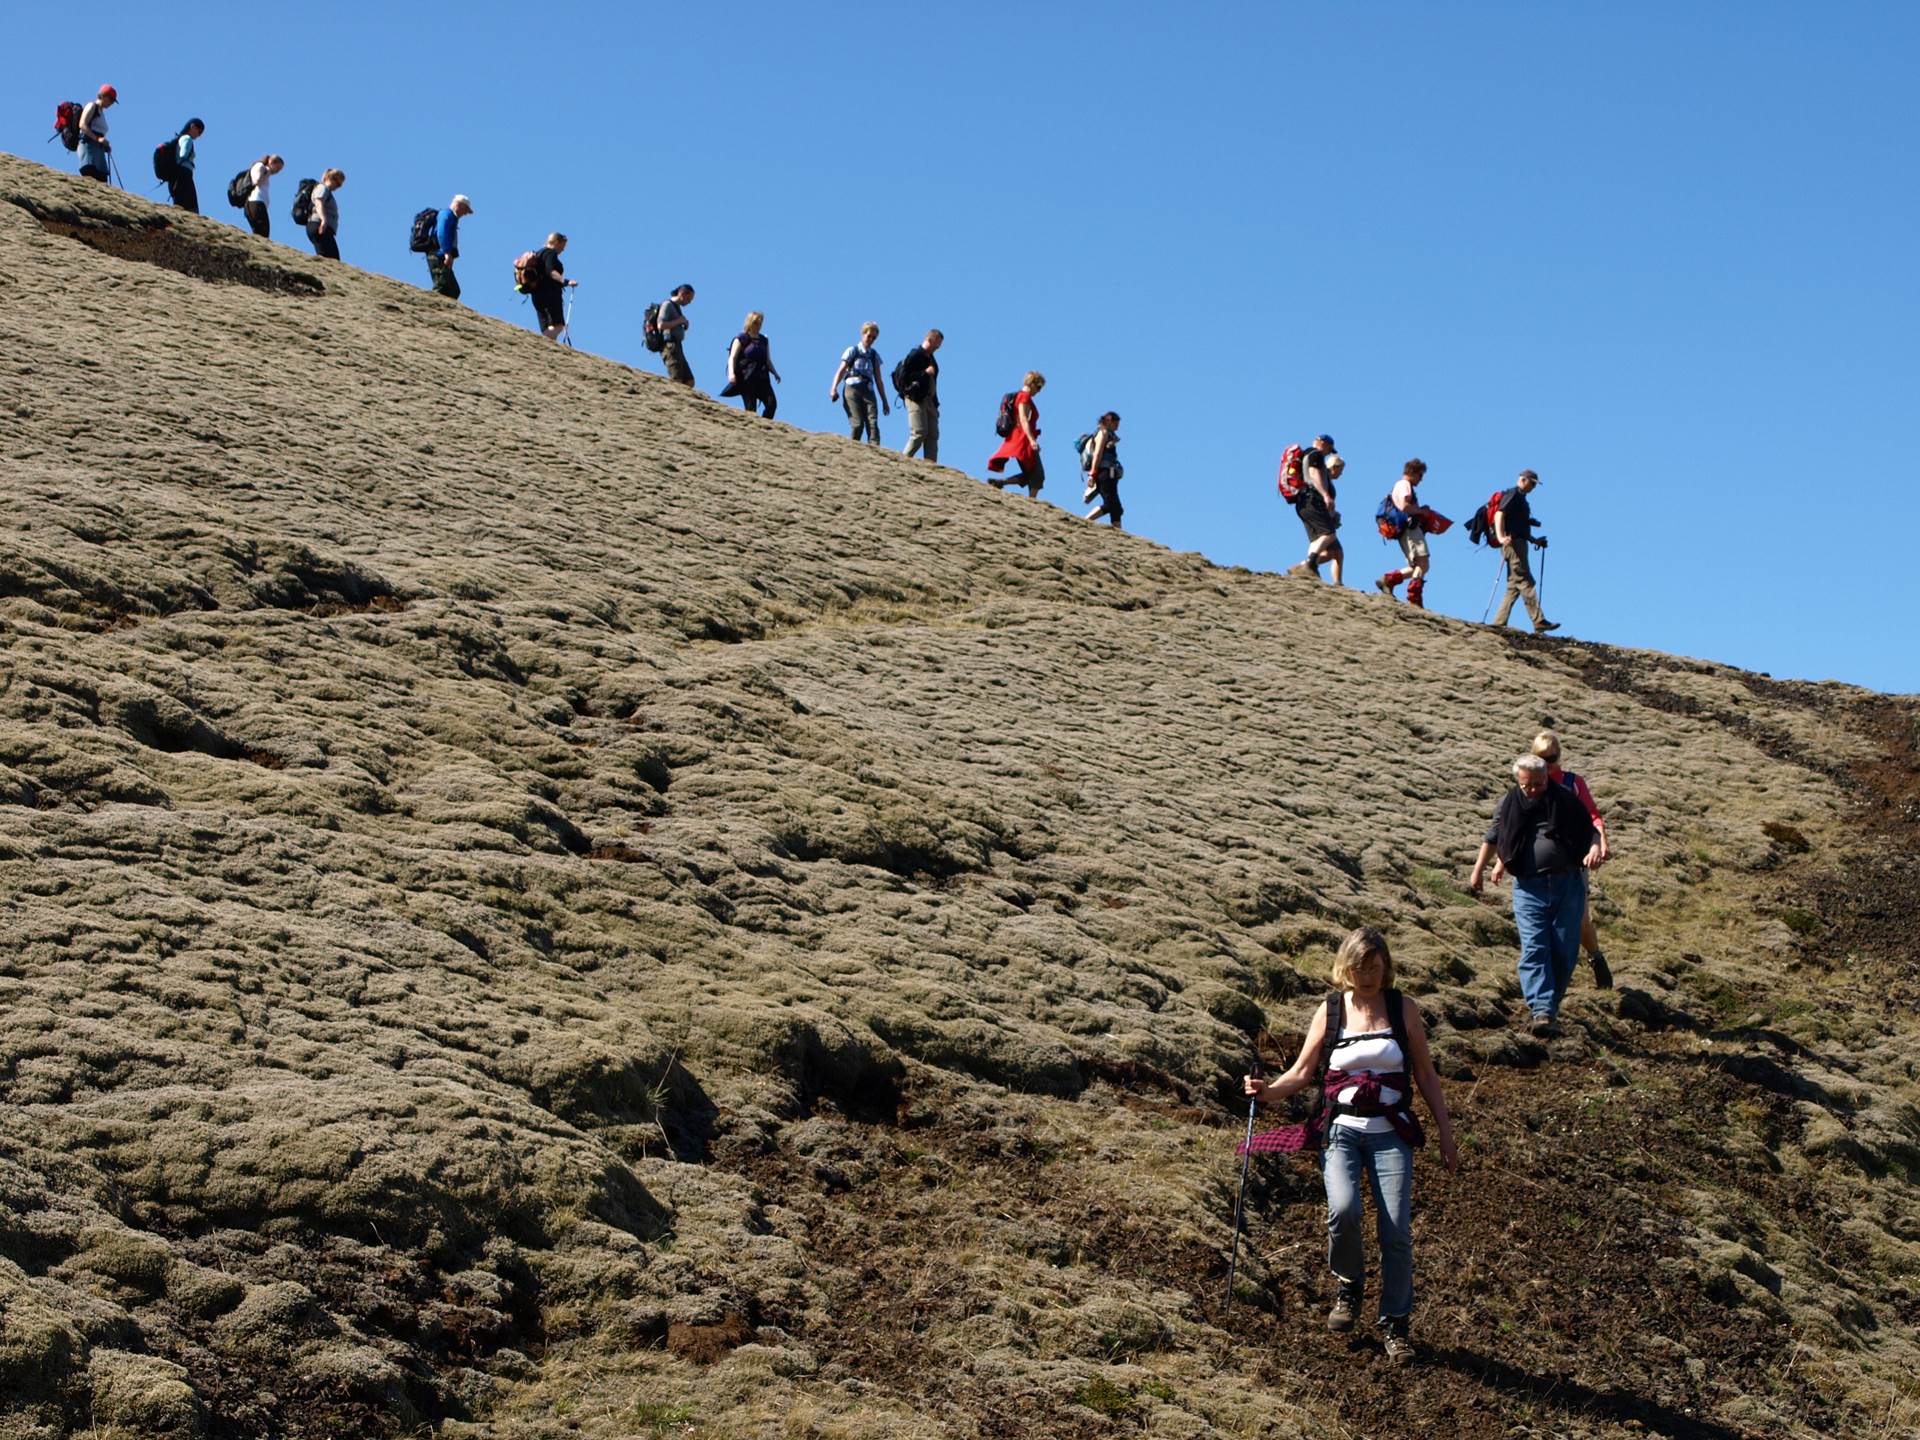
[(1390, 519)]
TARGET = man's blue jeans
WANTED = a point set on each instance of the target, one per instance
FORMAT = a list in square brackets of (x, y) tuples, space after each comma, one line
[(1548, 909), (1387, 1163)]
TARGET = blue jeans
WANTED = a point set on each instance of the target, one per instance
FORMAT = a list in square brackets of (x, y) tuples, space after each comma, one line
[(1387, 1162), (1548, 909)]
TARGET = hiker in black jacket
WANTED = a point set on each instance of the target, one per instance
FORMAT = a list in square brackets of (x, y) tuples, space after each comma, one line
[(549, 289), (919, 376), (1547, 843), (1513, 533)]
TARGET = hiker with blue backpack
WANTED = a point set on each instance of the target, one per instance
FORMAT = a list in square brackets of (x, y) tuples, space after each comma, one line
[(1100, 463), (96, 151), (857, 378), (1402, 517), (1365, 1053)]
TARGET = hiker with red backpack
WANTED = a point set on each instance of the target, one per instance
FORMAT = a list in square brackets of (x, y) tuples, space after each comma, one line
[(545, 279), (1019, 425), (1307, 476), (1402, 517), (1547, 843), (96, 151), (1511, 525), (1364, 1054)]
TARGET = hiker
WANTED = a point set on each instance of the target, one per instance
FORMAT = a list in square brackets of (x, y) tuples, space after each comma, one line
[(1513, 532), (443, 247), (750, 368), (96, 151), (181, 189), (1412, 534), (1022, 438), (673, 334), (1365, 1040), (1102, 452), (862, 393), (1546, 843), (917, 381), (1547, 746), (323, 219), (550, 287), (1320, 467), (259, 178)]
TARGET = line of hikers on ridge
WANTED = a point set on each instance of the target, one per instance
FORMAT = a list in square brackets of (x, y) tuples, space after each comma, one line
[(1308, 476), (1365, 1051), (1308, 473)]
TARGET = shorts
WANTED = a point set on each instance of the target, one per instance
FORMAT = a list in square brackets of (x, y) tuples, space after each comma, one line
[(1413, 542), (1313, 515), (549, 308)]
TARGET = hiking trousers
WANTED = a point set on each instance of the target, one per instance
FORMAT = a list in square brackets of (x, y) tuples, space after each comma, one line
[(325, 246), (1386, 1163), (259, 220), (674, 356), (1519, 585), (923, 428), (184, 192), (759, 391), (1548, 910), (863, 411), (441, 269)]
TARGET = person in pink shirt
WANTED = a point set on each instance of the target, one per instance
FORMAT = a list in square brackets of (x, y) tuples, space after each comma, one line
[(1413, 537)]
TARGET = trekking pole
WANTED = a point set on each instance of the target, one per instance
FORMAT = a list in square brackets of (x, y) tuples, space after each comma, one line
[(1240, 1204), (1497, 575), (115, 165), (1543, 578), (566, 321)]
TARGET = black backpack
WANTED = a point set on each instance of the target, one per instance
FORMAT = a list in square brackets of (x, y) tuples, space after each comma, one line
[(166, 159), (239, 188), (899, 378), (1009, 418), (424, 239), (303, 202), (650, 333)]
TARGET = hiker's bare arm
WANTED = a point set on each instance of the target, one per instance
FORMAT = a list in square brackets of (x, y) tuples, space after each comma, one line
[(1297, 1076), (833, 390), (1026, 421), (1477, 878), (733, 354), (1428, 1079)]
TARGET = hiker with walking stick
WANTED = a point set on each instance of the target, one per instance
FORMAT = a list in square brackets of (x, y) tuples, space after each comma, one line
[(1512, 529), (1365, 1042), (96, 151)]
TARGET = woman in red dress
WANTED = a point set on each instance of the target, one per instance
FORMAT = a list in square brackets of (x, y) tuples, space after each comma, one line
[(1024, 443)]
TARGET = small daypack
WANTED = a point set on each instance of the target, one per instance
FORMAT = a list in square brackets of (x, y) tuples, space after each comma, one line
[(424, 238), (239, 188), (1293, 473), (66, 122), (303, 202), (526, 272), (1480, 523), (899, 377), (1391, 520), (651, 335), (166, 159), (1008, 420)]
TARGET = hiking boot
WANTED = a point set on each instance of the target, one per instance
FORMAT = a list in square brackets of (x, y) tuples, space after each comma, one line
[(1396, 1343), (1544, 1027), (1546, 627), (1417, 595), (1602, 972), (1386, 585), (1305, 567), (1340, 1317)]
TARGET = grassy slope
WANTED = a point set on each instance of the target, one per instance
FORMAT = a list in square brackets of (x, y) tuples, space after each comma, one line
[(545, 906)]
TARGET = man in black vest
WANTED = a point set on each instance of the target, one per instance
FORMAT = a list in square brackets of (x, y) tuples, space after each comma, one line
[(1513, 533)]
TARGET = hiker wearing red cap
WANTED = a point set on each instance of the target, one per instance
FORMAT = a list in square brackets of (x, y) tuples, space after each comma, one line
[(96, 150), (1412, 534), (1513, 533), (1365, 1052)]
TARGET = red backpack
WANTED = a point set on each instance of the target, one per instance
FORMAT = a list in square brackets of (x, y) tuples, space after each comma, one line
[(526, 272), (66, 123), (1293, 473), (1480, 523)]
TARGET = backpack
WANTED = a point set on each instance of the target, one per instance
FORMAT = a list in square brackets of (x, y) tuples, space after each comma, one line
[(899, 378), (1317, 1118), (239, 188), (1008, 419), (1293, 473), (526, 272), (424, 238), (1480, 523), (1390, 519), (166, 159), (66, 122), (650, 333), (303, 202), (861, 367)]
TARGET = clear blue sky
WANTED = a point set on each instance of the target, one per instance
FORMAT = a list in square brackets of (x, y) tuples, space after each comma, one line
[(1661, 253)]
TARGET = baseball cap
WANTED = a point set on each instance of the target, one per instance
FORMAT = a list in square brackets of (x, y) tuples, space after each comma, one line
[(107, 92), (458, 201), (1326, 440)]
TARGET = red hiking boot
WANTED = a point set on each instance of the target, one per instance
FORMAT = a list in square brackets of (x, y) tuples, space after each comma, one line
[(1417, 593), (1386, 583)]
